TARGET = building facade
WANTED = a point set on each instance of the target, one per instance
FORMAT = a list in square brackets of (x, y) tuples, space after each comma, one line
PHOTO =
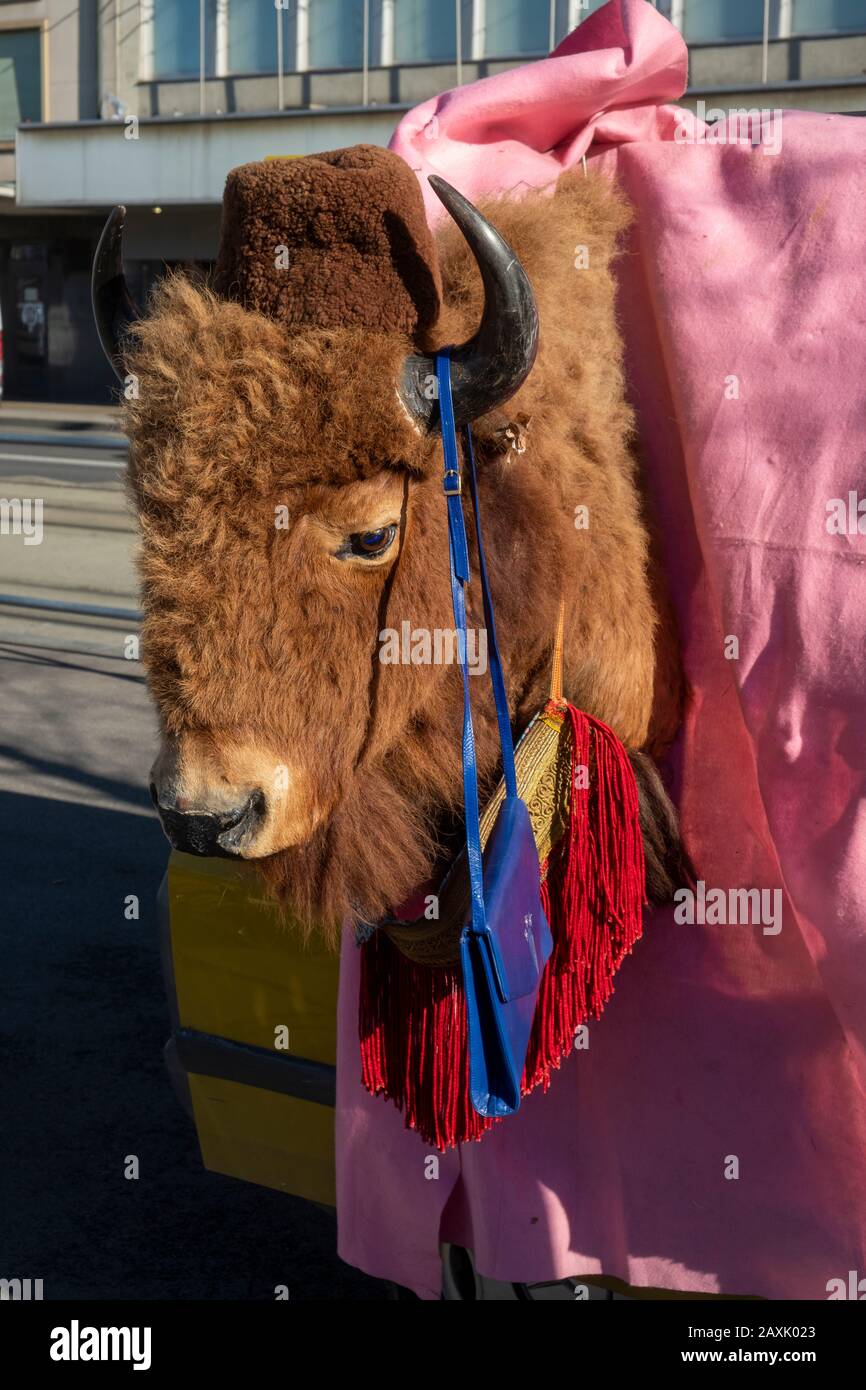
[(151, 102)]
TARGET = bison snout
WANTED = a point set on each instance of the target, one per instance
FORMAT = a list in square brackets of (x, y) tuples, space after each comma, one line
[(219, 834)]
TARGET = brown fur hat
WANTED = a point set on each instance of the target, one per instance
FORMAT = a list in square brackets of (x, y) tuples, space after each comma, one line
[(335, 240)]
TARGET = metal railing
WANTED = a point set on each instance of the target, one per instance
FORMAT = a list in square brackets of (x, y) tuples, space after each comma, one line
[(132, 28), (774, 20)]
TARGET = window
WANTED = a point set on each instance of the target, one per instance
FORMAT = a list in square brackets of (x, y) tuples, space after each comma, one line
[(706, 21), (714, 21), (828, 16), (425, 31), (20, 79), (176, 38), (253, 36), (512, 27), (336, 34), (323, 34)]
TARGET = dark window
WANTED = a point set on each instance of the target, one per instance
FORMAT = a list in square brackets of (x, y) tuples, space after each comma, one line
[(253, 36), (177, 38), (20, 79), (828, 16), (425, 31)]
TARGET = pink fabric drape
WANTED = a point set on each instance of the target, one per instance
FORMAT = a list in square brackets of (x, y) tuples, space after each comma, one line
[(744, 314)]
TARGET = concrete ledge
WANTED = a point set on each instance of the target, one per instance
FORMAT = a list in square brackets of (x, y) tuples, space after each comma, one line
[(93, 164)]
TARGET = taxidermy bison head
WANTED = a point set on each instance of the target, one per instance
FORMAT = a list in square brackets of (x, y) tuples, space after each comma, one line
[(286, 472)]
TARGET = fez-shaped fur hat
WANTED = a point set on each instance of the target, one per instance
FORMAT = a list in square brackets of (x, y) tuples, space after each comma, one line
[(330, 240)]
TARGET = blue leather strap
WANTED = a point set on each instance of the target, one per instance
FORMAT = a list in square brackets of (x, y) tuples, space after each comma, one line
[(459, 566), (499, 693)]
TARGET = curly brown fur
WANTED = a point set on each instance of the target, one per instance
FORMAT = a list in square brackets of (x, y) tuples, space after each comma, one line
[(255, 636)]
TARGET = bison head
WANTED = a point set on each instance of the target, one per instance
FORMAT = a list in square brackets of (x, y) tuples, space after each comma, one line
[(294, 566), (286, 473)]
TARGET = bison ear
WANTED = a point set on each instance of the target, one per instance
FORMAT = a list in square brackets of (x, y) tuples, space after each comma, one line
[(487, 370), (113, 306)]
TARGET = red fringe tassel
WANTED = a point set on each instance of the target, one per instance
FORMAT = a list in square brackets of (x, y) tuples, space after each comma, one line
[(414, 1042)]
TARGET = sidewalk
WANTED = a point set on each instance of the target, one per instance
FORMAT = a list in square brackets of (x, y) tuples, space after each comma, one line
[(51, 422)]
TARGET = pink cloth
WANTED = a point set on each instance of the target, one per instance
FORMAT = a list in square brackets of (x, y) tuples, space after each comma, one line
[(744, 315)]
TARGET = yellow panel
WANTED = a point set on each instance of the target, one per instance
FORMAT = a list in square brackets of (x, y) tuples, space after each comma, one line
[(240, 969), (259, 1136)]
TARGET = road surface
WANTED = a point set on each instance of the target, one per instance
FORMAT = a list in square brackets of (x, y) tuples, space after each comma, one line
[(82, 1013)]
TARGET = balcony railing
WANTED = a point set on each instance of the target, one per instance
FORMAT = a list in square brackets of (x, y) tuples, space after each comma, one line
[(198, 40)]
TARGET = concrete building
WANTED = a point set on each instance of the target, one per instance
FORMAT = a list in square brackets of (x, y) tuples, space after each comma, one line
[(151, 102)]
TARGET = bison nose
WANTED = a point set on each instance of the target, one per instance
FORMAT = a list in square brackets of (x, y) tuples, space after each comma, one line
[(217, 834)]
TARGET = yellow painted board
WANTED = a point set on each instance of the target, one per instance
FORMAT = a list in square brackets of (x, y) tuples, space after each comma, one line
[(274, 1140), (241, 969)]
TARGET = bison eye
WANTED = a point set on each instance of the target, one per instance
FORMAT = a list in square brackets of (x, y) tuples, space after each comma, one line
[(370, 544)]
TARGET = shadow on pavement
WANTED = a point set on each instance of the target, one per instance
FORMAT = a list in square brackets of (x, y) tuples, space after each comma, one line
[(83, 1026)]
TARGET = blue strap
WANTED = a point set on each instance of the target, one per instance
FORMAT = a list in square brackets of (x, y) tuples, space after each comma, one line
[(499, 694), (459, 566)]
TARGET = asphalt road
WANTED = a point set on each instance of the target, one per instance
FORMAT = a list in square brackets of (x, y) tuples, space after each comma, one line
[(82, 1013), (85, 554)]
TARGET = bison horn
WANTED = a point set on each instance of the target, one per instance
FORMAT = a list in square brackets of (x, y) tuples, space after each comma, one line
[(488, 369), (113, 306)]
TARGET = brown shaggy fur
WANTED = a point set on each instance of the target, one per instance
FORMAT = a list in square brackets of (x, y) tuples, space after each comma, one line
[(254, 633)]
